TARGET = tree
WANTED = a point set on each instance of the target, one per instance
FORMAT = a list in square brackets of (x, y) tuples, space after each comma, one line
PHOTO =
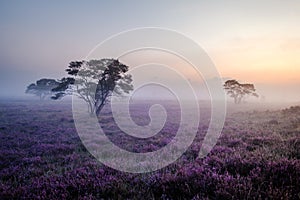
[(42, 87), (94, 81), (239, 91)]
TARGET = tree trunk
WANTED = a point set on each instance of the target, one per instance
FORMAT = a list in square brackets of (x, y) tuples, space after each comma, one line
[(99, 108)]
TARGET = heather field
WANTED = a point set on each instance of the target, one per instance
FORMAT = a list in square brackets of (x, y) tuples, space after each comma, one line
[(42, 157)]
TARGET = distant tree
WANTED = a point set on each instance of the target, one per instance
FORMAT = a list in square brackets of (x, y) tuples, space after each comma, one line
[(42, 88), (94, 81), (239, 91)]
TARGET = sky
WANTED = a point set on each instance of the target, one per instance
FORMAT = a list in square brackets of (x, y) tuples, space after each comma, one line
[(256, 41)]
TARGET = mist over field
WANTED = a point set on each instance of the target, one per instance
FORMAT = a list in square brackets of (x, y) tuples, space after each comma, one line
[(150, 100), (269, 94)]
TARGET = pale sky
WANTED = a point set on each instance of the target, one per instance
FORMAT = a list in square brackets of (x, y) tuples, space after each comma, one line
[(255, 41)]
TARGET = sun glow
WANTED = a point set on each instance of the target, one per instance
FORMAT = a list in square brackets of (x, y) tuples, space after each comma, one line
[(264, 60)]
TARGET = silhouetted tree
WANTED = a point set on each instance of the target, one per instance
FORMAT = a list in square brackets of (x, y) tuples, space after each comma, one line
[(42, 87), (238, 91), (94, 81)]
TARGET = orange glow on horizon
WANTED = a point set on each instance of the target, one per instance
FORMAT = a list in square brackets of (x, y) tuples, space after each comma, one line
[(261, 60)]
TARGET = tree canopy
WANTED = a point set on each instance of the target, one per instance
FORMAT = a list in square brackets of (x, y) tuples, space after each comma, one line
[(239, 91), (42, 88), (94, 81)]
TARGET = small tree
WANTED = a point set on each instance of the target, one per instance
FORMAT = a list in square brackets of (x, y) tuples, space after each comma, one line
[(42, 88), (239, 91), (94, 81)]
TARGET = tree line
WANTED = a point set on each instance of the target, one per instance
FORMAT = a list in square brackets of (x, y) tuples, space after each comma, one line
[(94, 81)]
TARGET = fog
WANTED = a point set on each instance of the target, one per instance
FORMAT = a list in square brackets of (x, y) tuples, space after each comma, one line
[(39, 39), (14, 86)]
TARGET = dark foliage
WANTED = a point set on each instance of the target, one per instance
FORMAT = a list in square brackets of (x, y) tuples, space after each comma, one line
[(42, 88), (239, 91), (94, 81)]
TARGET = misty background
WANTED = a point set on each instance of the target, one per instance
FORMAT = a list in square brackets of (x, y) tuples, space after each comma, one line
[(254, 42)]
